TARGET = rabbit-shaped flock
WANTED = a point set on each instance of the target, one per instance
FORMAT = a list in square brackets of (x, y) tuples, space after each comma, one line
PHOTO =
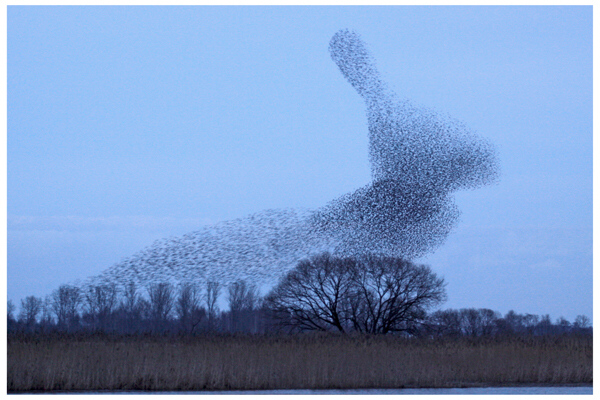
[(418, 159)]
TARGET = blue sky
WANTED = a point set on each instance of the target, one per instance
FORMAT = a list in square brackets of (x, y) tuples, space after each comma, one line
[(130, 124)]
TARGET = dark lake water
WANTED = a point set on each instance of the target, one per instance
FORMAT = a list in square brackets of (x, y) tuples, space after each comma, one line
[(560, 390)]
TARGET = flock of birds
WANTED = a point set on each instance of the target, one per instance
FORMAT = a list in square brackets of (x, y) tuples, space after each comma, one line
[(418, 159)]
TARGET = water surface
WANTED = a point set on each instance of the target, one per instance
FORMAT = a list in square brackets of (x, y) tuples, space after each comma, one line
[(457, 391)]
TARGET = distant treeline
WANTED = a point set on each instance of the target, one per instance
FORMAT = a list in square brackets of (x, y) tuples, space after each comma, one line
[(191, 310)]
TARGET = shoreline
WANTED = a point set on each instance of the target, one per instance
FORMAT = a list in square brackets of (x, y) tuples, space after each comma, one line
[(476, 386)]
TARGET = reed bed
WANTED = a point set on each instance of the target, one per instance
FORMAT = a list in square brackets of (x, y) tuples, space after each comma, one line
[(97, 363)]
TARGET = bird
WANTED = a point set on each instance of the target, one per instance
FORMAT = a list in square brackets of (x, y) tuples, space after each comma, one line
[(418, 159)]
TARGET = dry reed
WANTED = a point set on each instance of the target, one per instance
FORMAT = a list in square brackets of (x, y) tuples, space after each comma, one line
[(291, 362)]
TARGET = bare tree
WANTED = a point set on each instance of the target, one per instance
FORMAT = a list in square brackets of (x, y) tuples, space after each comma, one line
[(242, 296), (161, 303), (370, 294), (545, 327), (46, 318), (469, 321), (10, 317), (444, 323), (130, 300), (392, 295), (479, 322), (187, 307), (581, 322), (311, 296), (243, 299), (513, 323), (563, 325), (100, 302), (213, 290), (10, 309), (65, 304), (130, 308), (31, 307)]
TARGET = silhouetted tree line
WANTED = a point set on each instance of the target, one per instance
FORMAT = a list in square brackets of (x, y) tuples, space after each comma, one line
[(369, 294), (481, 322), (158, 309)]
